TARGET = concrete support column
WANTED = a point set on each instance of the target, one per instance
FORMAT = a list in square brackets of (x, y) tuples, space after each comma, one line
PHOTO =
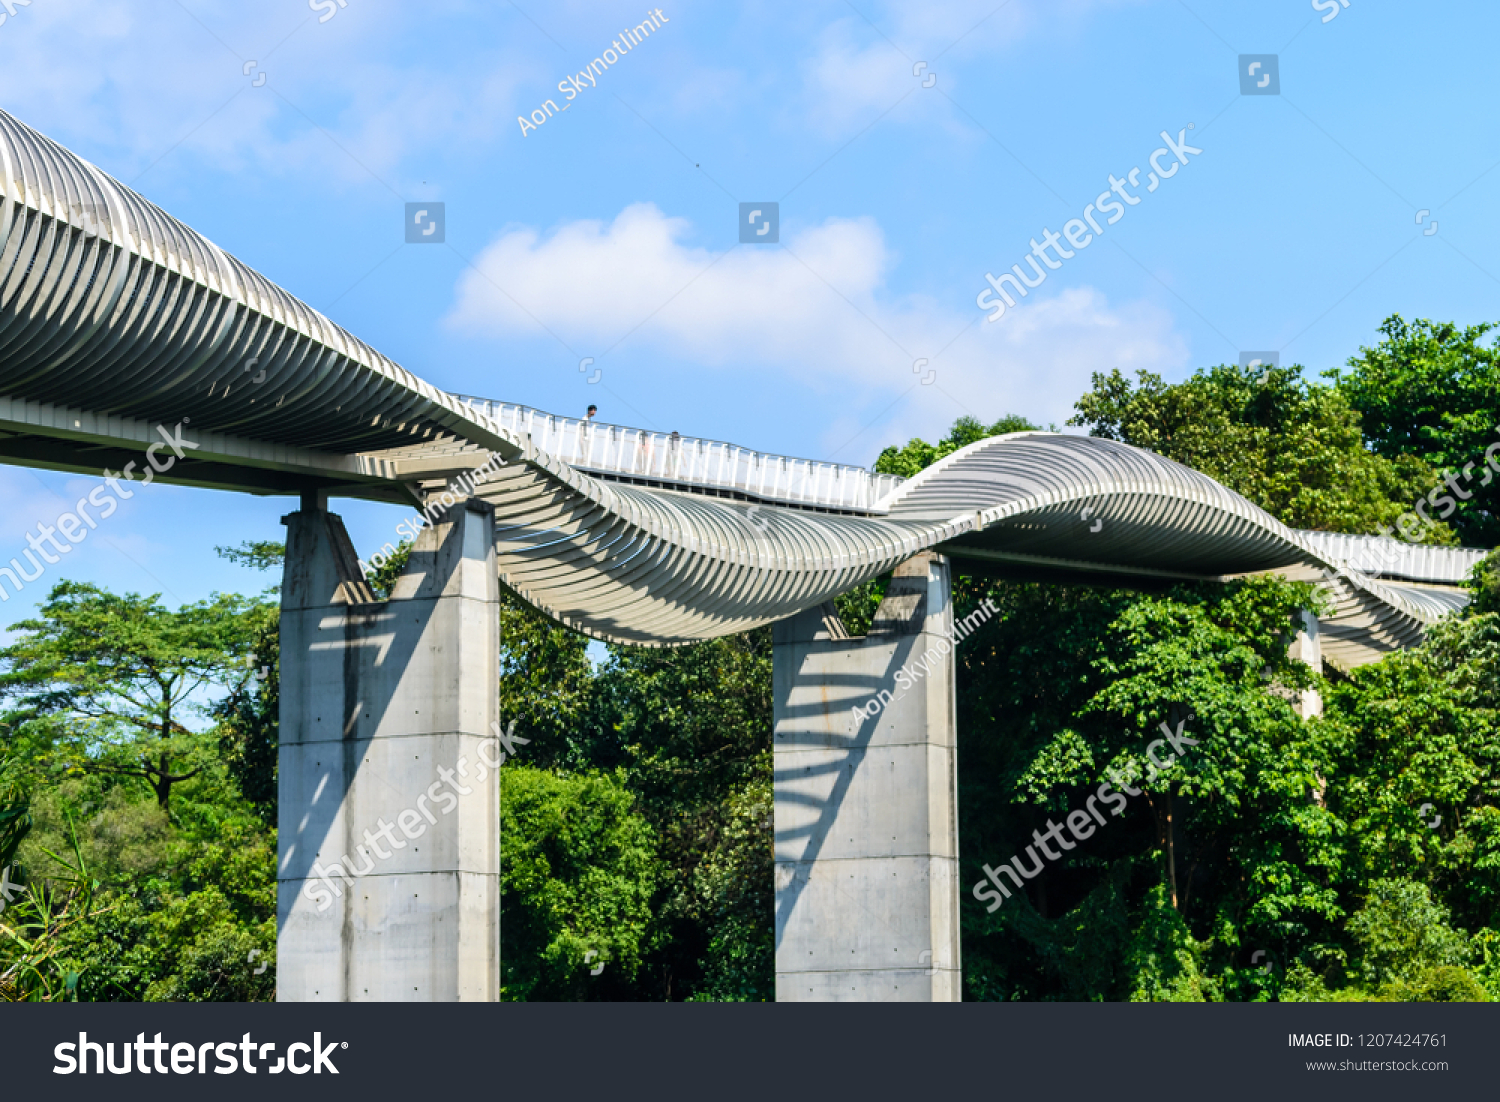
[(866, 816), (388, 871), (1308, 648)]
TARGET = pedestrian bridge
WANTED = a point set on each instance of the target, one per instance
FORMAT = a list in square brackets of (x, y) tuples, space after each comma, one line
[(687, 463), (116, 319)]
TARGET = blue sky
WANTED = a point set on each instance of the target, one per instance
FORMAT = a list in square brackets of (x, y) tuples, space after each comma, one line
[(611, 231)]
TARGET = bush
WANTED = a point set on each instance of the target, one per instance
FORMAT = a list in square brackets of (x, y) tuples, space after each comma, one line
[(1404, 935), (578, 869)]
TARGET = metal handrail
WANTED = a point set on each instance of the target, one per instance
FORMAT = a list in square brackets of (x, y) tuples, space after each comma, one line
[(690, 460)]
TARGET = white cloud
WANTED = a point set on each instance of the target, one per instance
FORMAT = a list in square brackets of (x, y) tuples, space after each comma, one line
[(850, 76), (128, 83), (817, 312), (864, 64)]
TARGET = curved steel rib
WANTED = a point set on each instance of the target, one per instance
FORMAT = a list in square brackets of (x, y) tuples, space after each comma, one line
[(115, 317)]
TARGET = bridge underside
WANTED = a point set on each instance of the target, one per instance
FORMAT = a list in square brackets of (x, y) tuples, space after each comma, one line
[(119, 324), (650, 566), (126, 337)]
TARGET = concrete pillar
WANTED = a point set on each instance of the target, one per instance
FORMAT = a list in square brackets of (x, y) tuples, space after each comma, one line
[(866, 816), (1308, 648), (387, 714)]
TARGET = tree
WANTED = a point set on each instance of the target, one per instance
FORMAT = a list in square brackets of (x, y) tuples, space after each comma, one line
[(185, 912), (1484, 586), (1432, 390), (1403, 934), (15, 815), (1415, 775), (1292, 447), (576, 880), (1223, 853), (249, 717), (918, 454), (120, 673), (256, 554), (691, 729), (546, 686)]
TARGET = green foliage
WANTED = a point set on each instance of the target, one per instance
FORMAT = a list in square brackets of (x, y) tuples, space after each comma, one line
[(256, 554), (1402, 934), (1420, 728), (857, 607), (1486, 945), (1292, 447), (918, 454), (577, 876), (1070, 685), (1484, 586), (1406, 952), (140, 891), (1432, 390), (35, 928), (1266, 836), (691, 727), (177, 905), (1446, 984), (15, 815), (1164, 961), (209, 956), (249, 715), (383, 579), (546, 684), (731, 894), (109, 679)]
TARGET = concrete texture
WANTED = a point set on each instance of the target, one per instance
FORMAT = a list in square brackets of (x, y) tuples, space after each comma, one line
[(866, 816), (388, 871), (1308, 649)]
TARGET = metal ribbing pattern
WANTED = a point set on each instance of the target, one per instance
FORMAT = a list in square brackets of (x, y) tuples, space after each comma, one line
[(1030, 492), (647, 566), (109, 305), (1383, 557)]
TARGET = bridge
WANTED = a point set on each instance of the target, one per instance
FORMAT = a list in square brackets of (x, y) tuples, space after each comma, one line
[(118, 322), (675, 462)]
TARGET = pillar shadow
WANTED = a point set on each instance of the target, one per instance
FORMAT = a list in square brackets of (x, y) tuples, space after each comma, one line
[(394, 627), (901, 618)]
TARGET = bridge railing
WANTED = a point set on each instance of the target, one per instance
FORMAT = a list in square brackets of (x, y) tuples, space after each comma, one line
[(690, 461)]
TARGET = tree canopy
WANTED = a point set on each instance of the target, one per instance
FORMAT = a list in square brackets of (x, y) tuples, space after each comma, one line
[(114, 677), (1432, 391), (1352, 856), (1293, 447)]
